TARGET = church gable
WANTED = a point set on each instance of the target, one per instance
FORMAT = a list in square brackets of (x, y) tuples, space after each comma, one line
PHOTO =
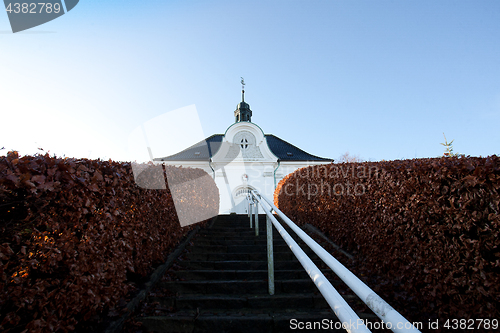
[(244, 143)]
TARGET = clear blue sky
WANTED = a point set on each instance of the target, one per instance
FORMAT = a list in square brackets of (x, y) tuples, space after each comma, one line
[(380, 79)]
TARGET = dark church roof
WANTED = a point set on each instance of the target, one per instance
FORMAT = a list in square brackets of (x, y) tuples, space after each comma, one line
[(287, 152), (206, 149)]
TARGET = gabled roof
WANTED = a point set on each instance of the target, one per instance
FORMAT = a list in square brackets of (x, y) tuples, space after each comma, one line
[(206, 149), (285, 151), (201, 151)]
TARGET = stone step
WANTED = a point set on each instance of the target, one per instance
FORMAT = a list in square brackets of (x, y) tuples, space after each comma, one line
[(234, 287), (261, 248), (242, 264), (221, 219), (278, 256), (287, 274), (312, 320), (242, 301), (250, 241), (236, 239), (243, 233), (244, 224), (239, 224), (242, 228)]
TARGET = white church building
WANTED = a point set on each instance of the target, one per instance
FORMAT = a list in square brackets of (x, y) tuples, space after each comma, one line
[(243, 159)]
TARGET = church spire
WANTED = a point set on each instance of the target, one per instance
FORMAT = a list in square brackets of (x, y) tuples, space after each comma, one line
[(243, 112)]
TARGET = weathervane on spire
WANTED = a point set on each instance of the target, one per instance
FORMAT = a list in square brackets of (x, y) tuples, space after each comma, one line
[(242, 89)]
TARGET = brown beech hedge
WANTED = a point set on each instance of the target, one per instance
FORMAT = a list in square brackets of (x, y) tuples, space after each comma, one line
[(429, 226), (75, 233)]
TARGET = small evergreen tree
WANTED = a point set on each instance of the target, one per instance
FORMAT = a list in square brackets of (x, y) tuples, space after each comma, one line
[(448, 148)]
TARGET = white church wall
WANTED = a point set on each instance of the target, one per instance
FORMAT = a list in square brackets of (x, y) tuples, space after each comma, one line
[(231, 178)]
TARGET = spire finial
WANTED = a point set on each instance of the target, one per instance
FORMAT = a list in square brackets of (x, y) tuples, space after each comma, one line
[(242, 89), (243, 112)]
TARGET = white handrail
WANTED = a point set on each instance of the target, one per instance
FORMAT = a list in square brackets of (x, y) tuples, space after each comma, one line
[(392, 319), (350, 320), (270, 256)]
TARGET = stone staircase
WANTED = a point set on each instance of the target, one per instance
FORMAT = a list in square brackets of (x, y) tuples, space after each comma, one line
[(219, 284)]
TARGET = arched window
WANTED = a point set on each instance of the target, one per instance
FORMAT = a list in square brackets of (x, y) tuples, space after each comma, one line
[(242, 191)]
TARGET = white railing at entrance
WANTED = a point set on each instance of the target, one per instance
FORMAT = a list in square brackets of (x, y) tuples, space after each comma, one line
[(350, 320)]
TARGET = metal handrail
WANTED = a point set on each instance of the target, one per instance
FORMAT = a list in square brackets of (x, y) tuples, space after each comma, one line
[(392, 319)]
